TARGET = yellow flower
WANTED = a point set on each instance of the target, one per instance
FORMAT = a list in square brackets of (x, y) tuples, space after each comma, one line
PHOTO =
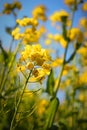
[(69, 2), (37, 59), (76, 34), (30, 65), (83, 23), (47, 41), (50, 36), (42, 105), (82, 51), (42, 30), (16, 34), (38, 75), (27, 21), (83, 78), (59, 15), (84, 6), (8, 8), (57, 62), (39, 12), (63, 42), (56, 37)]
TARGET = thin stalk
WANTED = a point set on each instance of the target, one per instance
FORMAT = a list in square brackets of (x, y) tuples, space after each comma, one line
[(64, 59), (19, 101), (11, 64)]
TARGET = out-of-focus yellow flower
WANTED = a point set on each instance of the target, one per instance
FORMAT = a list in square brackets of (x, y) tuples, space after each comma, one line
[(42, 106), (83, 97), (83, 78), (56, 37), (68, 68), (39, 12), (57, 62), (63, 42), (50, 36), (84, 6), (42, 30), (47, 41), (27, 21), (83, 23), (59, 15), (69, 2), (8, 8), (16, 34), (65, 84), (76, 34), (30, 34), (82, 51)]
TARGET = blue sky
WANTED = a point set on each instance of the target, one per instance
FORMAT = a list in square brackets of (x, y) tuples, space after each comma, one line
[(28, 5)]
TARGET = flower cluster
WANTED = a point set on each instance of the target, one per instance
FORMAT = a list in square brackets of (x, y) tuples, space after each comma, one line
[(84, 6), (76, 34), (57, 38), (39, 12), (59, 16), (83, 22), (8, 8), (36, 59), (69, 2), (30, 34)]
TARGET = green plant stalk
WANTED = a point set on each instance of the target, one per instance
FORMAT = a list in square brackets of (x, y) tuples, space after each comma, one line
[(11, 64), (64, 59), (60, 75), (18, 103)]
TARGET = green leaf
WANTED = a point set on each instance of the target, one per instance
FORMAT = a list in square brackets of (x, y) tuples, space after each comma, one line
[(54, 103), (50, 83)]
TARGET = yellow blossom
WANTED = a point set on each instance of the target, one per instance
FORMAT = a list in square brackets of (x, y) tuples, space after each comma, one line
[(82, 51), (37, 59), (83, 78), (84, 6), (30, 65), (39, 12), (56, 37), (76, 34), (27, 21), (8, 8), (83, 22), (50, 36), (42, 105), (47, 41), (57, 62), (58, 15), (63, 42), (69, 2)]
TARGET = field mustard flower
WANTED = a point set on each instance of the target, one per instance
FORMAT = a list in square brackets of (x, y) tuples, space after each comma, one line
[(76, 34), (8, 8), (84, 6), (28, 35), (58, 16), (83, 22), (39, 12), (69, 2), (37, 59)]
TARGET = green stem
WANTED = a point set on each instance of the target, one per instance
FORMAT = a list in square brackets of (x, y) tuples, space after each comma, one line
[(19, 101), (11, 64), (64, 59)]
